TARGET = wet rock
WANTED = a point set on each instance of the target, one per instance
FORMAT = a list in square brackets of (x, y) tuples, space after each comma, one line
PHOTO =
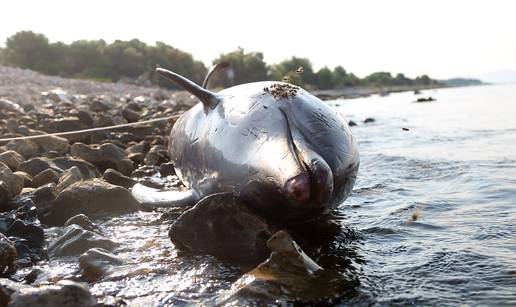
[(69, 177), (13, 184), (45, 177), (130, 114), (368, 120), (75, 240), (43, 198), (4, 193), (116, 178), (27, 179), (8, 288), (97, 262), (93, 198), (64, 294), (28, 230), (7, 256), (157, 155), (352, 123), (137, 152), (167, 169), (288, 274), (105, 156), (12, 159), (222, 226), (83, 221), (53, 143), (26, 148)]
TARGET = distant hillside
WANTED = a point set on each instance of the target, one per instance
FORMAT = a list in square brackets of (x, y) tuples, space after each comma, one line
[(461, 82), (500, 76)]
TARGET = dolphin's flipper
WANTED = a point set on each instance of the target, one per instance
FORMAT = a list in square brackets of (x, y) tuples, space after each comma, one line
[(155, 198), (213, 70)]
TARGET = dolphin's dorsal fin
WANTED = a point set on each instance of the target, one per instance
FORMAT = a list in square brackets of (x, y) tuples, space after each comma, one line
[(214, 69), (209, 99)]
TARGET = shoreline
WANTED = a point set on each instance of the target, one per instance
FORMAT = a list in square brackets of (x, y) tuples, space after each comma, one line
[(364, 91)]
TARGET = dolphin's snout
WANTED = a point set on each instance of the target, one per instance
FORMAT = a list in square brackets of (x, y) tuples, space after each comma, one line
[(298, 189)]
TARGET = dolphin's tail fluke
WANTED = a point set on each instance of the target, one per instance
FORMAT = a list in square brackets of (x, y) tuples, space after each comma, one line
[(155, 198)]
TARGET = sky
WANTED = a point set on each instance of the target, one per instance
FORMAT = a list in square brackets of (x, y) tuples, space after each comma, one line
[(441, 38)]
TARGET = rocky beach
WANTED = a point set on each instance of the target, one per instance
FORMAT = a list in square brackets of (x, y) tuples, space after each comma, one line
[(65, 202)]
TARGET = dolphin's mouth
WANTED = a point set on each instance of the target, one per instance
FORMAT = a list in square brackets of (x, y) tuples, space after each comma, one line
[(313, 187)]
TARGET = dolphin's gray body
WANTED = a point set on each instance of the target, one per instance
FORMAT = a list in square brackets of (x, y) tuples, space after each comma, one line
[(275, 146)]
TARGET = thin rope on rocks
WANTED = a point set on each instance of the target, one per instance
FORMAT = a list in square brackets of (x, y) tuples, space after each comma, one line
[(28, 137)]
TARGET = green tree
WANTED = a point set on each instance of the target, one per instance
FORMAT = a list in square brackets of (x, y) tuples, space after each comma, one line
[(325, 79), (27, 49), (288, 68), (378, 79), (247, 67)]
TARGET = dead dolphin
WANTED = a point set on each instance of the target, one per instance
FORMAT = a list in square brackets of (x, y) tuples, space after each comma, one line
[(275, 146)]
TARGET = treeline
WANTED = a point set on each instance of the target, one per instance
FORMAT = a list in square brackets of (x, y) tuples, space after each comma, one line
[(96, 59)]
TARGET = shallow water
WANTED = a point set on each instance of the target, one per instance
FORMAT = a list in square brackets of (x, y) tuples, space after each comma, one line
[(434, 208), (436, 205)]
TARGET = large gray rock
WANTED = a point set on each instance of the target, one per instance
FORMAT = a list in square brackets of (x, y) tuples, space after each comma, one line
[(223, 226), (75, 240), (105, 156), (64, 294), (94, 198), (12, 159)]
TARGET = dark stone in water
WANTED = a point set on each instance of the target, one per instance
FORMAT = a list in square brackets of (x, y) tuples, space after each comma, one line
[(8, 256), (116, 178), (369, 120), (167, 169), (29, 231), (83, 221), (222, 226), (352, 123)]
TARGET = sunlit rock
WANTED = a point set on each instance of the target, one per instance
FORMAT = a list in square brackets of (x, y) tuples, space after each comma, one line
[(93, 198), (75, 240), (97, 262)]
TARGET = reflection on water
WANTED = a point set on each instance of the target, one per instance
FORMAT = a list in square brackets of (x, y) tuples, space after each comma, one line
[(432, 218)]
